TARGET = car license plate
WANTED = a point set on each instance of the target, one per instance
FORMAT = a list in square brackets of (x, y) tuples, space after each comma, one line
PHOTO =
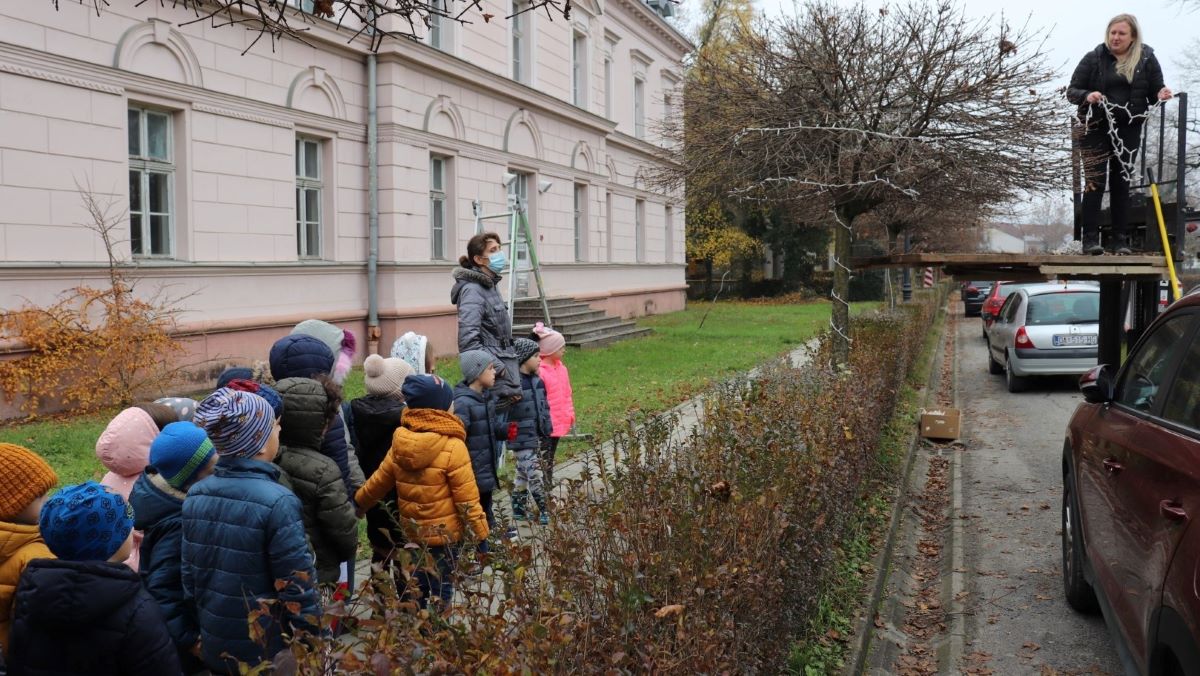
[(1074, 340)]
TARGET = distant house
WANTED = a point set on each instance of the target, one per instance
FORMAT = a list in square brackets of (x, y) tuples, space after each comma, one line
[(1003, 238)]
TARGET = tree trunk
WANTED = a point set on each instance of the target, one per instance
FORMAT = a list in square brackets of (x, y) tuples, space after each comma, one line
[(841, 291)]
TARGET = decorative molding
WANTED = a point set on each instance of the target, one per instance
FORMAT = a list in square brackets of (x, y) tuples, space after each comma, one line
[(316, 77), (241, 115), (60, 79), (159, 32), (614, 176), (442, 104), (522, 116), (649, 18), (584, 152), (638, 55)]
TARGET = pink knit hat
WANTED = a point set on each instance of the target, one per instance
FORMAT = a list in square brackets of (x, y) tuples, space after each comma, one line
[(549, 340)]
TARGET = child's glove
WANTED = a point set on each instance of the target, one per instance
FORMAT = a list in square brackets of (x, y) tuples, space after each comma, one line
[(512, 432)]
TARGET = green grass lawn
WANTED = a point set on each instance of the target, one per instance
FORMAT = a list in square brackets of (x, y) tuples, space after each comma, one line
[(645, 374)]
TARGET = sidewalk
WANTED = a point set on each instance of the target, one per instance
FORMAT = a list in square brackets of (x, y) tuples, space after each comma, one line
[(686, 415)]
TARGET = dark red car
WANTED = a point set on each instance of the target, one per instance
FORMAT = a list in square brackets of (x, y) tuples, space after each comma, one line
[(1131, 485)]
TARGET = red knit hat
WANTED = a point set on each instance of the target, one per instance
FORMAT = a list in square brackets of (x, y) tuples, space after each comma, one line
[(24, 477)]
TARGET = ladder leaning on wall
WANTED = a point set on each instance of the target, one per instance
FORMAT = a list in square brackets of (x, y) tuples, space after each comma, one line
[(520, 239)]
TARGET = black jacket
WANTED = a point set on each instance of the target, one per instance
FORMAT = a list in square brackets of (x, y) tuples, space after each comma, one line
[(375, 420), (478, 415), (1098, 66), (483, 324), (531, 414), (72, 617)]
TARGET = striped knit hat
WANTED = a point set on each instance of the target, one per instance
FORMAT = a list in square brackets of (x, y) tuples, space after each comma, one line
[(179, 451), (238, 423)]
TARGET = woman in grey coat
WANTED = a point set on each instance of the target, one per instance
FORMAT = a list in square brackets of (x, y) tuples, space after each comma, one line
[(483, 322)]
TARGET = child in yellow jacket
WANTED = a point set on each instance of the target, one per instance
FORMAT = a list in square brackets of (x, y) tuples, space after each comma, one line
[(430, 469), (25, 479)]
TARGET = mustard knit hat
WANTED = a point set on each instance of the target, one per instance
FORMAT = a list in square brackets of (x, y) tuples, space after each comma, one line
[(24, 477)]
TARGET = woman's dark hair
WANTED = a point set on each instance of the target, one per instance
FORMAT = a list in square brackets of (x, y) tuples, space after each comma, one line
[(476, 246), (333, 397), (161, 414)]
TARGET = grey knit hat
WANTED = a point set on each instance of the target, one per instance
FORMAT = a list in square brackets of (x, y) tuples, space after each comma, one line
[(474, 363), (525, 349)]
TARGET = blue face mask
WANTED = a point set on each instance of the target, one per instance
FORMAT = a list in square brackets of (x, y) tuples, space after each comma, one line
[(498, 262)]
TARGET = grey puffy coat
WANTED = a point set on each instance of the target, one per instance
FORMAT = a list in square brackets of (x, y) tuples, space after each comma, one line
[(329, 520), (483, 324), (478, 415), (531, 414)]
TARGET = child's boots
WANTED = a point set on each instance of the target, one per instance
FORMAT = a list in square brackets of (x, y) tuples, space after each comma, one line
[(543, 512), (519, 507)]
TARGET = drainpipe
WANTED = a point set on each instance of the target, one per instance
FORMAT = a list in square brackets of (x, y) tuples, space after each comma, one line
[(373, 330)]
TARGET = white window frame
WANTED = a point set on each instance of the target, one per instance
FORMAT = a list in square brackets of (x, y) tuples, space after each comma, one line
[(639, 230), (439, 205), (608, 226), (608, 87), (308, 183), (144, 166), (441, 27), (521, 39), (579, 69), (639, 107), (519, 254), (581, 221)]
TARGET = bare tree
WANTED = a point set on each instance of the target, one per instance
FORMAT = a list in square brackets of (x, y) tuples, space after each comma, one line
[(377, 19), (844, 110)]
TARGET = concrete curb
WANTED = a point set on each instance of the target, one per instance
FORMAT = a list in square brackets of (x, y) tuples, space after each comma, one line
[(865, 627), (956, 627)]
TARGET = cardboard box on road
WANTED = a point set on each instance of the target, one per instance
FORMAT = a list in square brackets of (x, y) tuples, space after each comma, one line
[(940, 424)]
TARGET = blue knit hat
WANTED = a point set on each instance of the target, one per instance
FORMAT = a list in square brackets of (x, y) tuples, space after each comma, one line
[(238, 423), (179, 451), (86, 522), (421, 391), (234, 373)]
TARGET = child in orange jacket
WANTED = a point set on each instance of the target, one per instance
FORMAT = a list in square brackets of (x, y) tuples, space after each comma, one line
[(430, 469), (25, 479)]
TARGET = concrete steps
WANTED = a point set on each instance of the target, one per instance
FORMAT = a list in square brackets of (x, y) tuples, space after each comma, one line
[(581, 325)]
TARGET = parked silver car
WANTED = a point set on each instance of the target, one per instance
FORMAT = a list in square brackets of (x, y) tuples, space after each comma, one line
[(1045, 330)]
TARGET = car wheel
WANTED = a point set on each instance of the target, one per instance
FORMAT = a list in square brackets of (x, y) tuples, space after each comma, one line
[(994, 367), (1079, 593), (1015, 383)]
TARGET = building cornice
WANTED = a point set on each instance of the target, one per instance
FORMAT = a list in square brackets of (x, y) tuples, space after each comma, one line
[(658, 25)]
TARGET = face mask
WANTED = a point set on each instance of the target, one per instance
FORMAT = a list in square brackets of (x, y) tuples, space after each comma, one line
[(498, 262)]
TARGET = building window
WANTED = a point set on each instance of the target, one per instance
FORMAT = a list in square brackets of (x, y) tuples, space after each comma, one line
[(302, 5), (151, 182), (639, 108), (441, 26), (639, 230), (521, 35), (608, 113), (308, 197), (437, 206), (579, 69), (669, 234), (519, 189), (608, 226), (581, 220)]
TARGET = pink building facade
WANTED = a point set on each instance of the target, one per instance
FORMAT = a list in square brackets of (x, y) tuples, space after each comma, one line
[(245, 175)]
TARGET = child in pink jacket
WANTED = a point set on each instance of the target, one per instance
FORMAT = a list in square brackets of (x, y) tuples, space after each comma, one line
[(124, 450), (557, 380)]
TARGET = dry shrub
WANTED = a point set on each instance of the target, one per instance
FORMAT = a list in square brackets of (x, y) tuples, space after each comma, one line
[(698, 553), (92, 347)]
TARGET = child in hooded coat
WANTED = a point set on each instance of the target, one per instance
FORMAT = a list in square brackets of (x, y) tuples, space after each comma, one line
[(430, 470), (557, 380), (531, 419), (25, 479), (476, 408), (180, 456), (124, 450), (86, 612)]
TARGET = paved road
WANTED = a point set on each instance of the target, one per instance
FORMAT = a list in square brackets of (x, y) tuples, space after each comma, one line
[(1017, 621)]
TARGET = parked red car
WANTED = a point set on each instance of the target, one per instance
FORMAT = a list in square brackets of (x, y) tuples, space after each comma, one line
[(1131, 485)]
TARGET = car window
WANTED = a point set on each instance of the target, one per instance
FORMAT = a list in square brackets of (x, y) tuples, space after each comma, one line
[(1010, 308), (1147, 368), (1063, 307), (1182, 404)]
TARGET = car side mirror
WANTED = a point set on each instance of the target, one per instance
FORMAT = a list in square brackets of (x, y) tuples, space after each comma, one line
[(1097, 384)]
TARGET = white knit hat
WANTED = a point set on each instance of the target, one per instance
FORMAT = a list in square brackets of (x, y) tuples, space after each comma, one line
[(385, 377)]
